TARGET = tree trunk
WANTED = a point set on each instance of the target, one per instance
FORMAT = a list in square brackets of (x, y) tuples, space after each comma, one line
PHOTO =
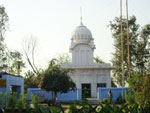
[(54, 95)]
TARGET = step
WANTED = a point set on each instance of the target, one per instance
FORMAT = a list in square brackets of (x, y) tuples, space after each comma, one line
[(93, 101)]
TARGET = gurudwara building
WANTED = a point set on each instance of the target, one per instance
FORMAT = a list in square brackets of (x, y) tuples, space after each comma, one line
[(86, 73)]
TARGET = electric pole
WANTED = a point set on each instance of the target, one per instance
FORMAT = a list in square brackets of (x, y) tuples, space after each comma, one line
[(128, 40), (122, 44)]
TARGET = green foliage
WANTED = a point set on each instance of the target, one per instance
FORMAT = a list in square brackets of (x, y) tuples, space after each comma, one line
[(139, 47), (3, 28), (63, 59), (34, 101), (6, 100), (113, 83), (105, 107), (120, 99), (25, 102), (3, 22), (30, 80), (16, 62), (140, 85), (130, 98), (85, 92), (13, 100), (10, 61), (98, 60), (104, 101), (83, 108), (56, 79), (20, 103), (1, 97), (73, 108), (47, 109)]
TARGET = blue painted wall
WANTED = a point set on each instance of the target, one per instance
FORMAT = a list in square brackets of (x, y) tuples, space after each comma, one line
[(103, 93), (76, 95), (12, 81), (64, 97), (38, 91)]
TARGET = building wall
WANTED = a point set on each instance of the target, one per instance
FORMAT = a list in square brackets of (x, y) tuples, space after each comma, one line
[(16, 81), (92, 76), (82, 54)]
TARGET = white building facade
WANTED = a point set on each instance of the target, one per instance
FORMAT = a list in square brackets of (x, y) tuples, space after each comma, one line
[(85, 73)]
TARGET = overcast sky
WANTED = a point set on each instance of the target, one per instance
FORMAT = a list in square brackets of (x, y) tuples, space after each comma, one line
[(52, 22)]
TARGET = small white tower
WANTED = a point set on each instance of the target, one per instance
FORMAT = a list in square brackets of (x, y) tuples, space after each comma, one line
[(82, 46)]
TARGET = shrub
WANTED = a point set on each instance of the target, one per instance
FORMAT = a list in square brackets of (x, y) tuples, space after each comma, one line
[(25, 102), (20, 103), (83, 108), (120, 99), (140, 85), (6, 100), (35, 102), (130, 97), (1, 101), (104, 101), (12, 100)]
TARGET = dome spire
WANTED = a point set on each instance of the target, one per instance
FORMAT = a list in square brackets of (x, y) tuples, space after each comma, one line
[(81, 16)]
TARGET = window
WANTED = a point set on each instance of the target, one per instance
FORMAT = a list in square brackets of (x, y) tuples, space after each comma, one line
[(101, 85)]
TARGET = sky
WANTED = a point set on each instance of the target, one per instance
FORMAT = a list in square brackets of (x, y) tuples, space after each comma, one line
[(52, 23)]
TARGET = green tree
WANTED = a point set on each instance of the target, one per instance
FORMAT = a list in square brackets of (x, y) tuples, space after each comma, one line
[(10, 61), (3, 22), (139, 47), (17, 63), (56, 80), (142, 52), (34, 79), (30, 80), (63, 58), (3, 29), (98, 60)]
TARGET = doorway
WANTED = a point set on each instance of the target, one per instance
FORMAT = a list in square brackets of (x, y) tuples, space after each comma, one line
[(86, 90)]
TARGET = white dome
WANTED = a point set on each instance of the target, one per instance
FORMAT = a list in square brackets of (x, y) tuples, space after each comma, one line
[(81, 34)]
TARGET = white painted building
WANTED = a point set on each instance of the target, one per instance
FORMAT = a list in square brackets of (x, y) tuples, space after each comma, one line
[(85, 72)]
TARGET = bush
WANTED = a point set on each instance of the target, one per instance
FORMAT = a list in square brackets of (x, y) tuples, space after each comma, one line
[(34, 101), (6, 100), (120, 99), (83, 108), (104, 101), (140, 85), (20, 103), (130, 97), (12, 101), (1, 101)]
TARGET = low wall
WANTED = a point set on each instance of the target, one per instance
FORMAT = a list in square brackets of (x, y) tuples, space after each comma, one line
[(103, 93), (64, 97), (39, 92)]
